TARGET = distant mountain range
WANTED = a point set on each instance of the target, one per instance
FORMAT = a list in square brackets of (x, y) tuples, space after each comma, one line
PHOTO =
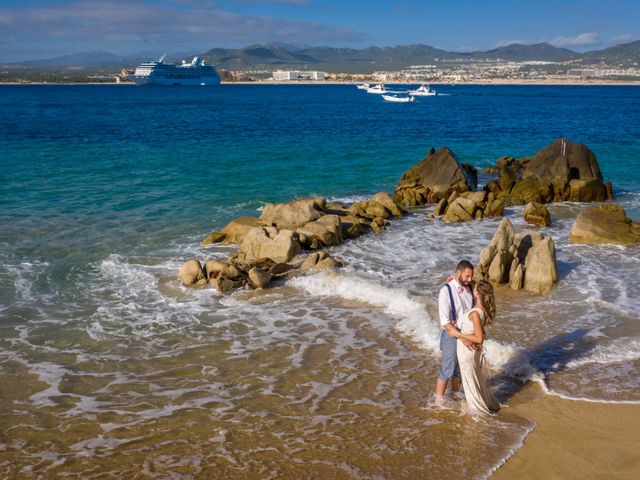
[(349, 60), (88, 59)]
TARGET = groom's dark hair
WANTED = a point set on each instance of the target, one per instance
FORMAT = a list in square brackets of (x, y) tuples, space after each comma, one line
[(463, 265)]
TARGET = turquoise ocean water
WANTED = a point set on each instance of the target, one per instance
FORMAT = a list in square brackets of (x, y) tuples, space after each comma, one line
[(105, 190)]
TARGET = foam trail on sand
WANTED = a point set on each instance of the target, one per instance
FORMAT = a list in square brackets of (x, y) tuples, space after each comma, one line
[(621, 350), (542, 382), (411, 315)]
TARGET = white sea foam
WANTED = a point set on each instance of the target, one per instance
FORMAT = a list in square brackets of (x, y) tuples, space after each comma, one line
[(128, 295), (623, 349), (509, 359), (540, 380), (348, 199), (51, 374), (411, 315), (23, 276)]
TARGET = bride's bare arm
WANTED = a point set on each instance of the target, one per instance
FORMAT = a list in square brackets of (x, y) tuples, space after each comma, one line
[(478, 331)]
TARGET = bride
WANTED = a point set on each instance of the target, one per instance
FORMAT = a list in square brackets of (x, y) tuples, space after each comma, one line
[(477, 393)]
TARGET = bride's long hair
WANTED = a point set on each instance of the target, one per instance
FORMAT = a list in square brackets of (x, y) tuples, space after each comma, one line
[(487, 300)]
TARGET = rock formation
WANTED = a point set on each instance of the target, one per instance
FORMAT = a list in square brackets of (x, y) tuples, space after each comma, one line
[(295, 214), (269, 242), (561, 171), (234, 231), (606, 224), (537, 214), (269, 245), (526, 260), (191, 272), (468, 206), (434, 178)]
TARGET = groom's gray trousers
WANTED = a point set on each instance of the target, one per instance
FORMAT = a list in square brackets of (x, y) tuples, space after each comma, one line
[(449, 363)]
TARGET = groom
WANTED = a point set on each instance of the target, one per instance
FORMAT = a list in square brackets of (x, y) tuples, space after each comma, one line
[(456, 298)]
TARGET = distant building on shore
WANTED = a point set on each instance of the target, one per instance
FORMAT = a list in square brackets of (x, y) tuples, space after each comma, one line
[(297, 75)]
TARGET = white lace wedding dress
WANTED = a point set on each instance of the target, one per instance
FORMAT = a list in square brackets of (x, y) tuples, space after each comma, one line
[(477, 393)]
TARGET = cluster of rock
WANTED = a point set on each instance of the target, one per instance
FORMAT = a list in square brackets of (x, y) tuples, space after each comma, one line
[(270, 245), (561, 171), (606, 224), (462, 207), (434, 178), (525, 260)]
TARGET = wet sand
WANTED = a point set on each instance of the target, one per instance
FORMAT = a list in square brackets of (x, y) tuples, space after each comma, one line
[(574, 439)]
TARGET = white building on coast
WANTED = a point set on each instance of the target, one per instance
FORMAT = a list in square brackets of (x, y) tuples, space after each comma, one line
[(297, 75)]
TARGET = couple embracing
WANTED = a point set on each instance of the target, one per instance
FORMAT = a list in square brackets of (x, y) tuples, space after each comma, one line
[(465, 308)]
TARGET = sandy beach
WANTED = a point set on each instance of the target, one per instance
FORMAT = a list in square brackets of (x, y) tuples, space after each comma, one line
[(497, 81), (574, 439)]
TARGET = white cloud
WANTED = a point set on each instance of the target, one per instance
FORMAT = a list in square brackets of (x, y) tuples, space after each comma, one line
[(624, 38), (163, 25), (582, 40), (506, 43), (300, 3)]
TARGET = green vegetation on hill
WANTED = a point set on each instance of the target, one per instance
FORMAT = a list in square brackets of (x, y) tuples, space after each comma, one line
[(102, 66), (368, 60)]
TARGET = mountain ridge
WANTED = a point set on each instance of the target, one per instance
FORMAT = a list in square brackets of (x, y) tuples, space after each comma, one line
[(350, 60)]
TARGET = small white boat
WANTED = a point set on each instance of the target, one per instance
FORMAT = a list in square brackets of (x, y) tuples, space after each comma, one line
[(379, 89), (395, 98), (364, 86), (423, 91)]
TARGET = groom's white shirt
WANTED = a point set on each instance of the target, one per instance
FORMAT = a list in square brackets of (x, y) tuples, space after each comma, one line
[(463, 302)]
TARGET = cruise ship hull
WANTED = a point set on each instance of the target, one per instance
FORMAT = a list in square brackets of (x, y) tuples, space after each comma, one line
[(189, 82)]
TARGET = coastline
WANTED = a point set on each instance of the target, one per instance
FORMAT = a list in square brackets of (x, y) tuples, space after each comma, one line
[(573, 439), (467, 82)]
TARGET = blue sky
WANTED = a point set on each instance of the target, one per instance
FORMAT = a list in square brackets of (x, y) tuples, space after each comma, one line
[(39, 29)]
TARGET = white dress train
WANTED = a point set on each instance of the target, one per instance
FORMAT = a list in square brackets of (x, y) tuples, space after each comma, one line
[(477, 393)]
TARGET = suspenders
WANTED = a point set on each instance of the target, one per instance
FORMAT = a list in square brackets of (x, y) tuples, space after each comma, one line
[(454, 314)]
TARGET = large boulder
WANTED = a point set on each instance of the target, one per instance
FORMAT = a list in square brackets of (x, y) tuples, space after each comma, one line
[(213, 237), (537, 214), (352, 226), (561, 171), (541, 271), (435, 177), (525, 260), (320, 261), (564, 159), (214, 267), (323, 232), (191, 272), (469, 206), (292, 215), (605, 224), (260, 278), (370, 209), (531, 189), (236, 230), (588, 190), (387, 201), (460, 210), (269, 242)]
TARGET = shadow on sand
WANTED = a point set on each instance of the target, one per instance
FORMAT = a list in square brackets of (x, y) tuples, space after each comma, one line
[(551, 356)]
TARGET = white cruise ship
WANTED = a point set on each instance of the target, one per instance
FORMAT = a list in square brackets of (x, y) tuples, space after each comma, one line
[(160, 73)]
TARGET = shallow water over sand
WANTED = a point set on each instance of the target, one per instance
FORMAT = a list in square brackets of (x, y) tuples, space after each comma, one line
[(110, 367), (330, 373)]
